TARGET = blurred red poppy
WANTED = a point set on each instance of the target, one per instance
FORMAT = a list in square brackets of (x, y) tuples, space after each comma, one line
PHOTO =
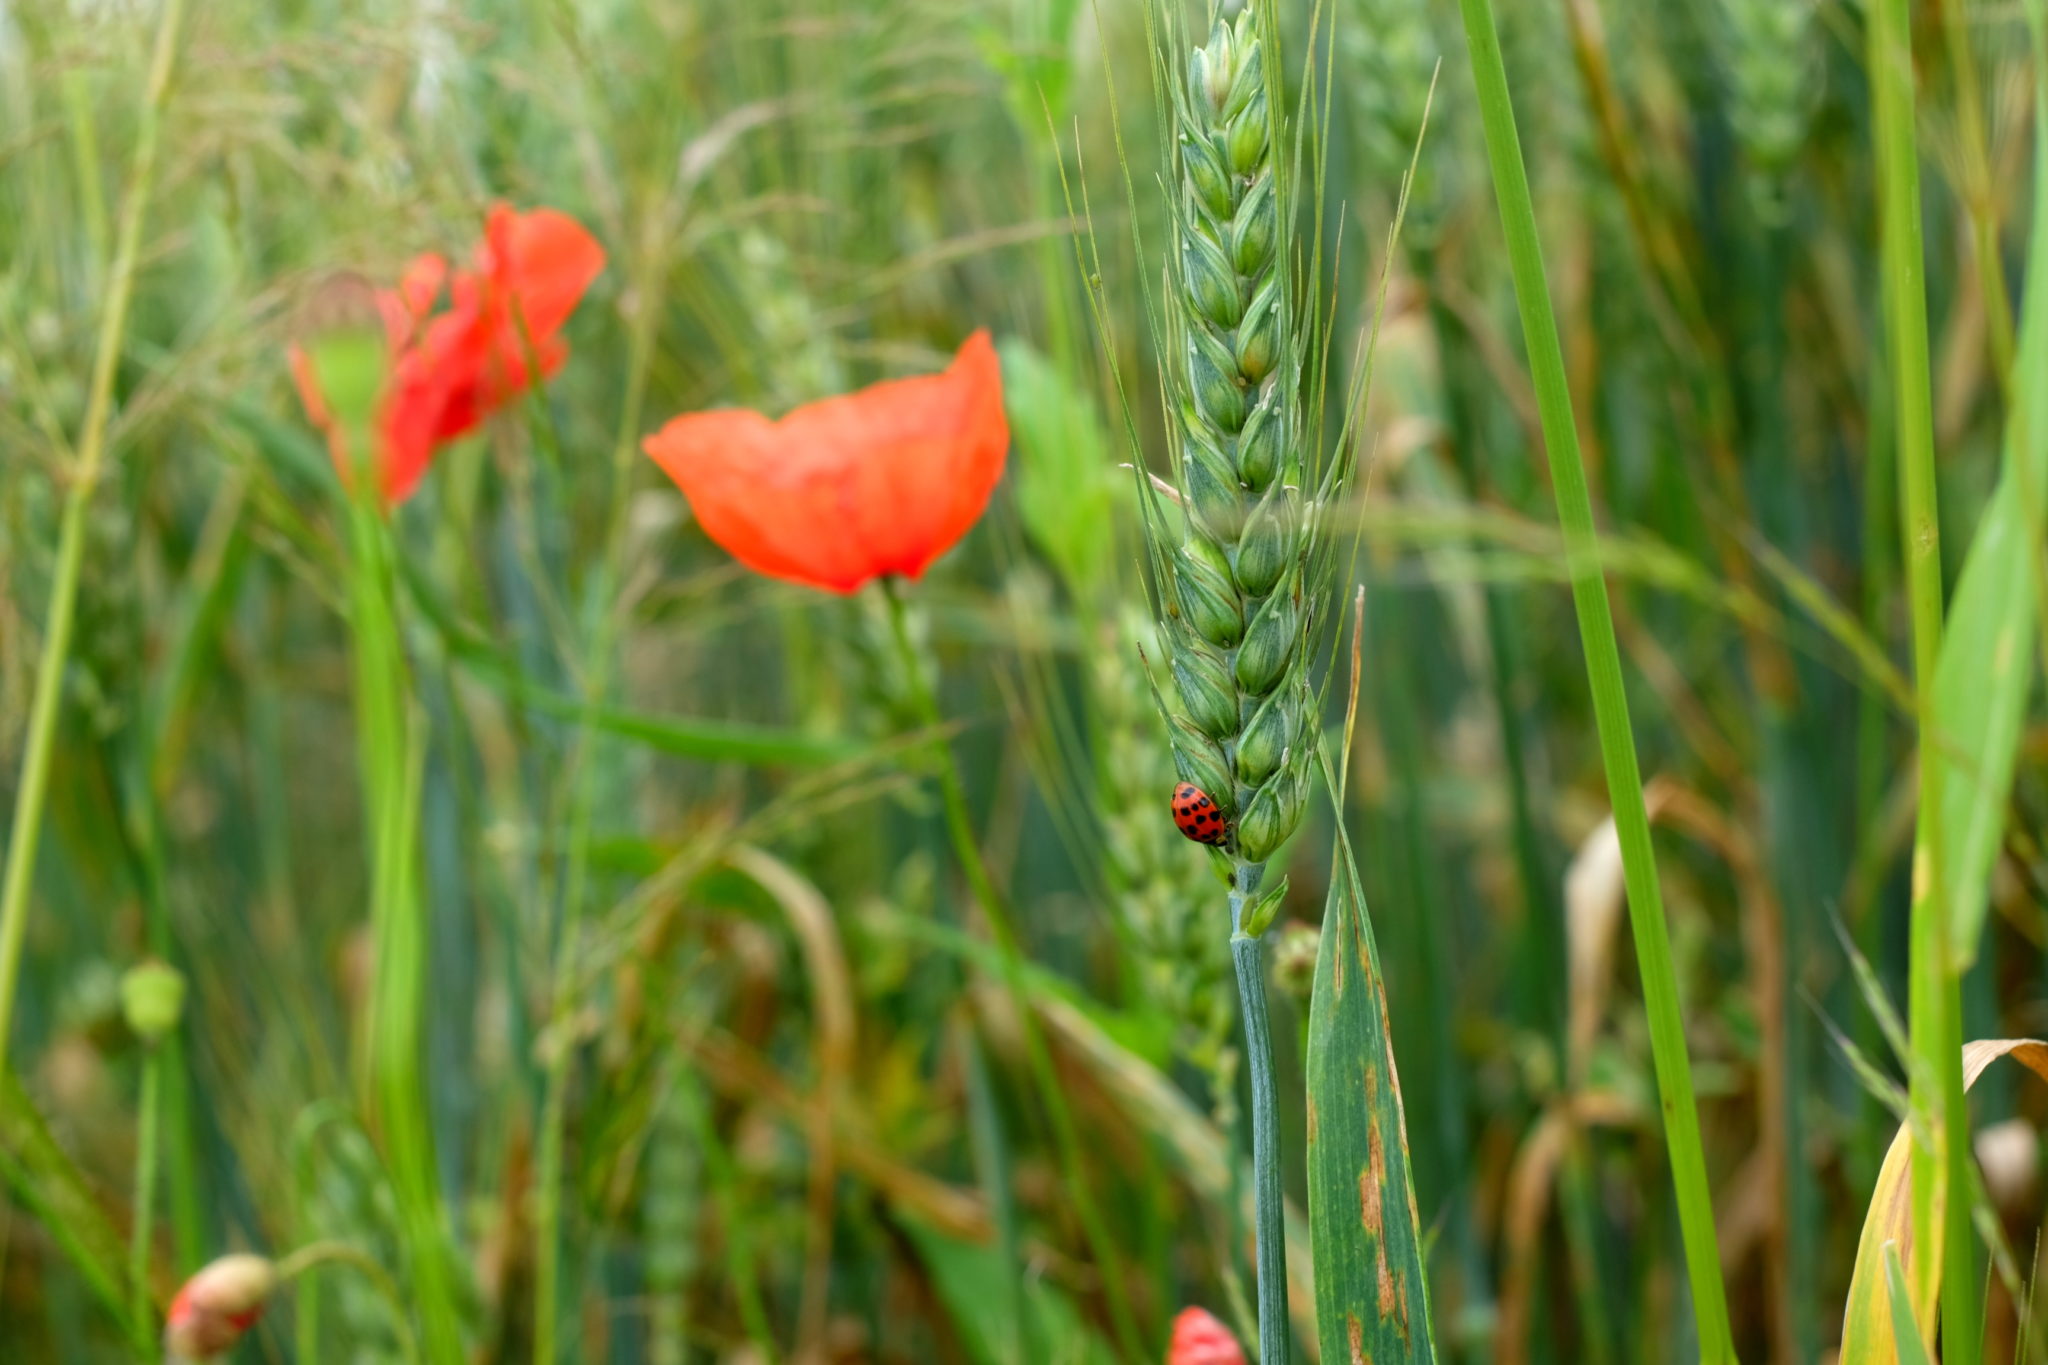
[(449, 371), (844, 490), (1199, 1339)]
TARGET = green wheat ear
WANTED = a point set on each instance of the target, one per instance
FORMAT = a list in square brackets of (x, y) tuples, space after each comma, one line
[(1232, 563)]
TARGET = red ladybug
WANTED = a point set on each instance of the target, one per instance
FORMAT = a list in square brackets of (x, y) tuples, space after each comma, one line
[(1198, 815)]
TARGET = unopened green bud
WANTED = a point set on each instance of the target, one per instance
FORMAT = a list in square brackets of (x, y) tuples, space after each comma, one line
[(1248, 74), (1264, 909), (1211, 283), (1261, 443), (1208, 600), (1266, 738), (1212, 69), (1270, 642), (1198, 759), (1205, 689), (1208, 179), (1255, 228), (1212, 486), (1270, 541), (1212, 379), (1244, 145), (152, 999), (1271, 817), (1258, 336)]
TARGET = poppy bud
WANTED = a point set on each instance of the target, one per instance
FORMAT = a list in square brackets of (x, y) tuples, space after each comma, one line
[(216, 1307), (1211, 484), (341, 332), (1269, 644), (1210, 282), (152, 999), (1261, 443), (1244, 145), (1263, 910), (1294, 959), (1197, 759), (1270, 542), (1267, 738), (1199, 1339), (1208, 179), (1205, 689), (1258, 336), (1208, 600), (1212, 379), (1254, 229), (1212, 69)]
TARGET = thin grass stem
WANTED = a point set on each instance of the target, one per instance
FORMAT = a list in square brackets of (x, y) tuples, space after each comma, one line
[(85, 477), (1610, 700)]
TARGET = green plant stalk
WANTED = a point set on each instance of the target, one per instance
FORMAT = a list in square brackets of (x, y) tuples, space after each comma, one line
[(1610, 700), (314, 1254), (1939, 1173), (547, 1229), (1066, 1138), (85, 476), (1270, 1244), (142, 1230)]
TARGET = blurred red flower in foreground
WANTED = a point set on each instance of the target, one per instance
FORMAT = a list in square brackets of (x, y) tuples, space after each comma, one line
[(449, 371), (850, 488), (217, 1306), (1199, 1339)]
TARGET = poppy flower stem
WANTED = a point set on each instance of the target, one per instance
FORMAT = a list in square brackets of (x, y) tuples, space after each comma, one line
[(960, 828)]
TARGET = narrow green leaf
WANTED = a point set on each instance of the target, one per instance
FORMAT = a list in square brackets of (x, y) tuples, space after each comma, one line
[(49, 1183), (1064, 480), (979, 1288), (1906, 1337), (1986, 668), (1372, 1297)]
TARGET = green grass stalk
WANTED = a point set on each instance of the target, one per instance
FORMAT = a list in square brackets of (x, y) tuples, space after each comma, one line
[(1066, 1137), (1270, 1245), (1610, 700), (85, 477), (1934, 995)]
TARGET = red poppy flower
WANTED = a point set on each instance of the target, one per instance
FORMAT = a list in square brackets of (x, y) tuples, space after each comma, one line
[(844, 490), (449, 371), (1199, 1339)]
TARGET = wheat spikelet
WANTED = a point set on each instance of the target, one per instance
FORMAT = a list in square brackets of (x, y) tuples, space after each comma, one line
[(1232, 570)]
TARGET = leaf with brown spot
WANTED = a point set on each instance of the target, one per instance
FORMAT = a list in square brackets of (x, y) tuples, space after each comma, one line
[(1372, 1296)]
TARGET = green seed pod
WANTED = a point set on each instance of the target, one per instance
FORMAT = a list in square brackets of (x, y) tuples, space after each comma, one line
[(1213, 69), (1197, 759), (1248, 70), (1244, 145), (1212, 487), (1204, 685), (1207, 177), (1258, 336), (1208, 600), (1261, 443), (1264, 826), (1210, 282), (152, 999), (1269, 643), (1266, 738), (1212, 379), (1270, 543), (1255, 228)]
